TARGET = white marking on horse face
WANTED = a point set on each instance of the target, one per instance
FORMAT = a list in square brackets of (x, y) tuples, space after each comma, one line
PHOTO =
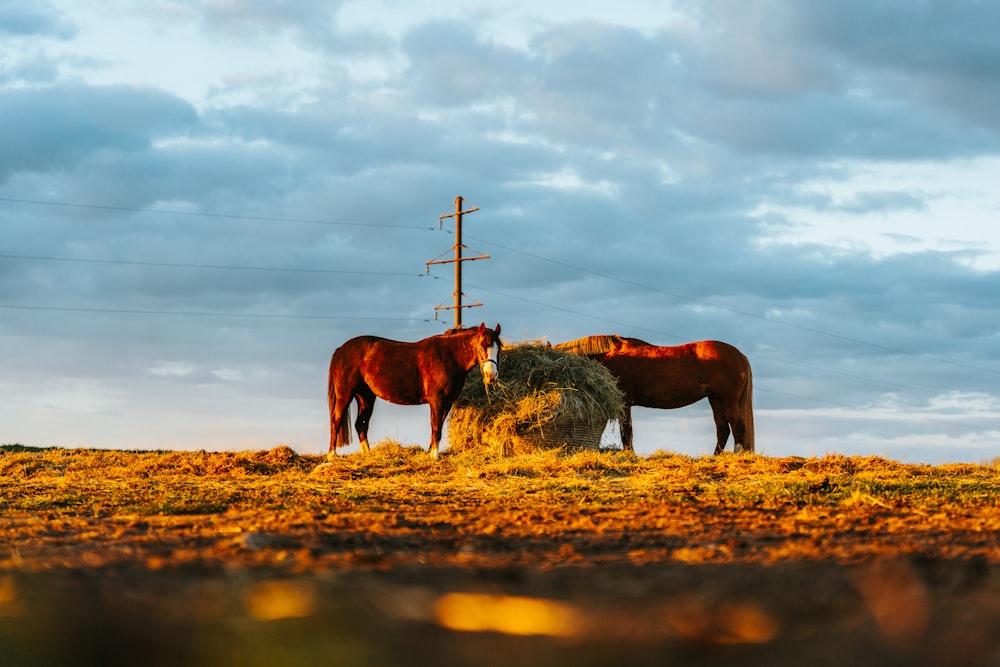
[(490, 367)]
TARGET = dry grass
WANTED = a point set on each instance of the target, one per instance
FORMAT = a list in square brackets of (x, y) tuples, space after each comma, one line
[(396, 510), (106, 481), (272, 557)]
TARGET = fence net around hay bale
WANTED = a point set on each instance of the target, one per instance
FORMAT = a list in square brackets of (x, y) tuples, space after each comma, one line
[(546, 398)]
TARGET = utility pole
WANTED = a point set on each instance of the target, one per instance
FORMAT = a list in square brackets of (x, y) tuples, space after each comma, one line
[(458, 259)]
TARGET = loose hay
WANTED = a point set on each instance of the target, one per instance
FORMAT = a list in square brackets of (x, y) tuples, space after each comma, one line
[(546, 398)]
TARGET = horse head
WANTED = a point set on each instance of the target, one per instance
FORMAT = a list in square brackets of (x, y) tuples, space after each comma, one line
[(487, 344)]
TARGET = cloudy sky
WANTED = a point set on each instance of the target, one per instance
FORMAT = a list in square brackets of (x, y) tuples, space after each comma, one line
[(200, 200)]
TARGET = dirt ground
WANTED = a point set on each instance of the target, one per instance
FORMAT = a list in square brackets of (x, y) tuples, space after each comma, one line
[(407, 589), (489, 579)]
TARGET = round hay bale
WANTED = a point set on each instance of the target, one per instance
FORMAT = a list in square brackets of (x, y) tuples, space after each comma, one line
[(546, 398)]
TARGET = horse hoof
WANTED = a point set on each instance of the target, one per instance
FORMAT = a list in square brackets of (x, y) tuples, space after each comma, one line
[(331, 455)]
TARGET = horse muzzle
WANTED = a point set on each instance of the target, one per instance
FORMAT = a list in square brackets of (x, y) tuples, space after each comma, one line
[(490, 371)]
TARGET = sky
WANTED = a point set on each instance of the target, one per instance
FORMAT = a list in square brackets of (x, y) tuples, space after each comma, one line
[(199, 201)]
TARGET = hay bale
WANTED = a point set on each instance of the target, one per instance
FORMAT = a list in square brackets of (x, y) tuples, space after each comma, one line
[(546, 398)]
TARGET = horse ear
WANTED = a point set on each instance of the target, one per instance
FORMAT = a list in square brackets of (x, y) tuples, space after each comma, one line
[(482, 327), (497, 328)]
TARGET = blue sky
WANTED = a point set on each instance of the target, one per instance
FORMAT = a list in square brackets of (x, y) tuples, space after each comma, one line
[(200, 200)]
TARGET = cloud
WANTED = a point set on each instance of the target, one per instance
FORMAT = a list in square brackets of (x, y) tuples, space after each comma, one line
[(450, 66), (257, 20), (58, 126), (862, 203), (950, 35), (38, 19), (932, 54), (752, 50), (740, 171)]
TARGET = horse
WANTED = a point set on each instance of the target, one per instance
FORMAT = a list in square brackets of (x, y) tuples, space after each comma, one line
[(673, 377), (430, 371)]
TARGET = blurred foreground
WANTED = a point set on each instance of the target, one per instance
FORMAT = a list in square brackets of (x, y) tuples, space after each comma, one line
[(271, 558)]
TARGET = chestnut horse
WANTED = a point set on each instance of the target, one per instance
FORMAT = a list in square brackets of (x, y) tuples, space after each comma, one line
[(429, 371), (672, 377)]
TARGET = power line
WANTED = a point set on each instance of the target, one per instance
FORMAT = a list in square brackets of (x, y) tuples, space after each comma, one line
[(584, 270), (542, 258), (195, 313), (762, 318), (682, 297), (380, 273), (765, 390), (220, 267), (571, 311), (227, 216)]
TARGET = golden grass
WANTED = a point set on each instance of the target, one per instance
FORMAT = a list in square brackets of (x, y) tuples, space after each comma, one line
[(396, 505), (271, 549), (168, 482)]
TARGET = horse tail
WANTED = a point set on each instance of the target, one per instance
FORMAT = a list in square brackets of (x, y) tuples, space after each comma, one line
[(344, 432), (342, 437), (746, 410)]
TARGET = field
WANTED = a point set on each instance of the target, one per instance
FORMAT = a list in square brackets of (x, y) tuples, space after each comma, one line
[(392, 558)]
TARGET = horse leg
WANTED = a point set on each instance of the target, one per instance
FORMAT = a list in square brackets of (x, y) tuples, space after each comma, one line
[(729, 414), (366, 404), (625, 427), (438, 412), (739, 430), (738, 434), (721, 424), (335, 418), (340, 432)]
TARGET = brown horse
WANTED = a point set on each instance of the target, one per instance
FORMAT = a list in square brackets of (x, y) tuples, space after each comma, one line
[(429, 371), (672, 377)]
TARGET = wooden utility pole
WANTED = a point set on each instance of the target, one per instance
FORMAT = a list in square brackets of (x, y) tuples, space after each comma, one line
[(458, 259)]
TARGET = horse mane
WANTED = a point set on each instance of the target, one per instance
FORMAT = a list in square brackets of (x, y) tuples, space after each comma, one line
[(592, 345), (462, 331), (600, 344)]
